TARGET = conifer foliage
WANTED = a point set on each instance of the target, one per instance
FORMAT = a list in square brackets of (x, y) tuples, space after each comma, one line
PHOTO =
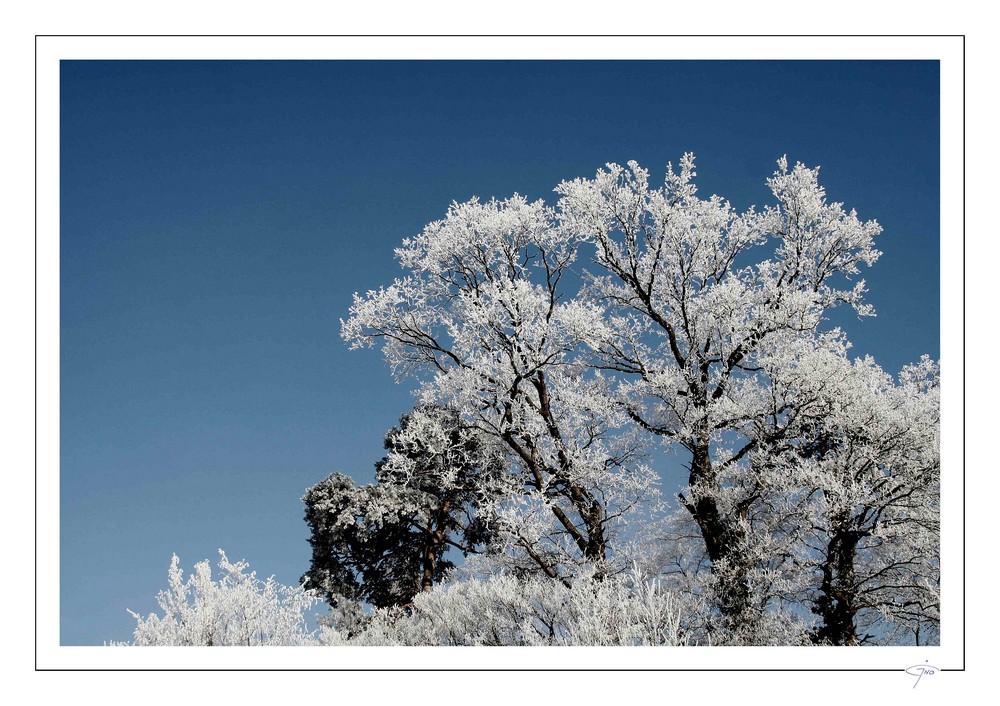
[(385, 542)]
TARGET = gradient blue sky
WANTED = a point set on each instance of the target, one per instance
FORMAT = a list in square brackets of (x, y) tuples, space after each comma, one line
[(217, 216)]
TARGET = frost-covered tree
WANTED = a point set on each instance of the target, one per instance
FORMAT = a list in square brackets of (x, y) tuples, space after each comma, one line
[(693, 329), (238, 609), (838, 520), (868, 480), (483, 320), (579, 336), (385, 542)]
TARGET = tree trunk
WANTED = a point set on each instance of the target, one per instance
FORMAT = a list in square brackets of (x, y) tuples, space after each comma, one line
[(722, 535), (435, 546), (837, 603)]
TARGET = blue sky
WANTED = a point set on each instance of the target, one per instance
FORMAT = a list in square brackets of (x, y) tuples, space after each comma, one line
[(217, 216)]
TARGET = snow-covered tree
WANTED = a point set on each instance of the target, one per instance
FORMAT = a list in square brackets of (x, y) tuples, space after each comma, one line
[(483, 320), (838, 520), (693, 329), (868, 478), (239, 609), (579, 337), (387, 541)]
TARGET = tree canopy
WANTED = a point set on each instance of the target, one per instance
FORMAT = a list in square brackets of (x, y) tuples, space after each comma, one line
[(625, 321)]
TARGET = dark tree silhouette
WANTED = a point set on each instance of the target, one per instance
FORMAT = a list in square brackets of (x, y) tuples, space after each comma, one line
[(383, 543)]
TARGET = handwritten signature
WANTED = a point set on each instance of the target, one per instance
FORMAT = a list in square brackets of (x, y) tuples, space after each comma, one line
[(919, 670)]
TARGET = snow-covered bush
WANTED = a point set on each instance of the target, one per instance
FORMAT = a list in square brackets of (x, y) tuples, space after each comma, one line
[(503, 610), (500, 609), (239, 609)]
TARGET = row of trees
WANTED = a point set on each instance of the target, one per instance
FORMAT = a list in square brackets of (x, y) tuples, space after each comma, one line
[(558, 350)]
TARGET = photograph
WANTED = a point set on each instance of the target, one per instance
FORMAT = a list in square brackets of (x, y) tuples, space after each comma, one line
[(506, 351)]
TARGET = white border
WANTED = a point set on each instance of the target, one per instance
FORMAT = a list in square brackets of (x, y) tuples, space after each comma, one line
[(50, 50)]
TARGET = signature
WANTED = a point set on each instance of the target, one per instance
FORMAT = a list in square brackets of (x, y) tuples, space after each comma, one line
[(919, 670)]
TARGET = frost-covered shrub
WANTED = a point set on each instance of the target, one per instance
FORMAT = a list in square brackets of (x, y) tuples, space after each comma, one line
[(239, 609), (505, 610), (500, 609)]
